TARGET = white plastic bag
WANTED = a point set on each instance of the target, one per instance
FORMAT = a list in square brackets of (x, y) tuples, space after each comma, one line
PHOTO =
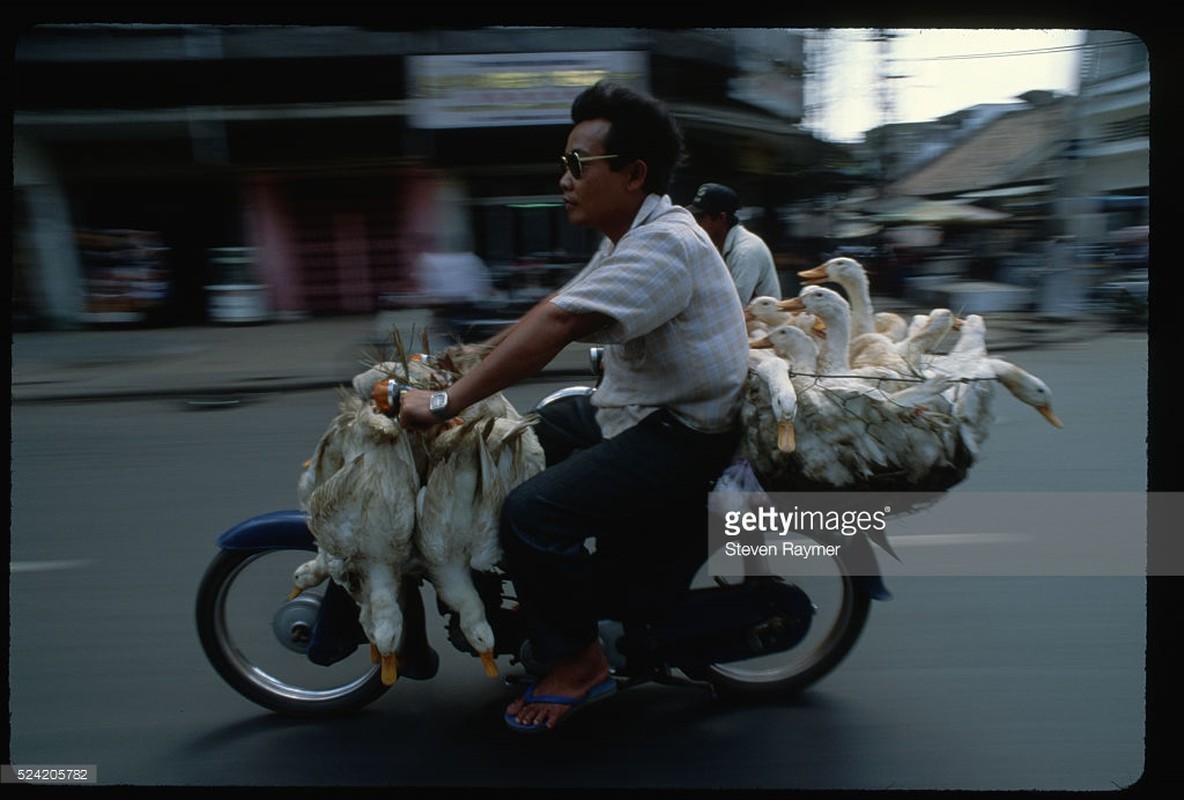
[(736, 489)]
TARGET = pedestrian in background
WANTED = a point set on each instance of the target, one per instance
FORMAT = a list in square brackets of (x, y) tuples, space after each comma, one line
[(748, 257)]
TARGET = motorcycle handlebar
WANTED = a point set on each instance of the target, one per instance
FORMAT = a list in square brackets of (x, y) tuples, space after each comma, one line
[(388, 399)]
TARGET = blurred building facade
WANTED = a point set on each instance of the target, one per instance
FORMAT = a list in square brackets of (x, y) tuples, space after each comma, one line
[(1089, 151), (171, 174), (1112, 143), (1045, 197), (898, 149)]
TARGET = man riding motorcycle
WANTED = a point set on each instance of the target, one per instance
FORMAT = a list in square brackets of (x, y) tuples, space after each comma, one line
[(629, 467)]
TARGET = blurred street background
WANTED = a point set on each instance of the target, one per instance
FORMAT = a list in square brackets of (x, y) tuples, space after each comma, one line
[(180, 175), (214, 226)]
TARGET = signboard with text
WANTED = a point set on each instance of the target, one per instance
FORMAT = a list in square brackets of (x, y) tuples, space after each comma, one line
[(502, 89)]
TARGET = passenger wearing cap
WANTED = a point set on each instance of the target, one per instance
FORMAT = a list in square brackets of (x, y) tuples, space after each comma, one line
[(748, 257)]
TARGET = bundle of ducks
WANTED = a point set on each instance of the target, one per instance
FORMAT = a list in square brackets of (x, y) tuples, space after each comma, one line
[(842, 397), (385, 504)]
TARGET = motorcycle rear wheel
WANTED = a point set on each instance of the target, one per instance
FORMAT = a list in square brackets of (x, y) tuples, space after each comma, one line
[(254, 636), (841, 608)]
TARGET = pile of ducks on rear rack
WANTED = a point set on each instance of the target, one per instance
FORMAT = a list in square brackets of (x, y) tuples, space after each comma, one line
[(837, 397), (842, 397)]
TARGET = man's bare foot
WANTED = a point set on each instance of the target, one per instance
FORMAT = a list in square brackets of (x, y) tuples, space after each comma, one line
[(571, 677)]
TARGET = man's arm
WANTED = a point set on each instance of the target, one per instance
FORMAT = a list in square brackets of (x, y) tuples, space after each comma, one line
[(521, 351)]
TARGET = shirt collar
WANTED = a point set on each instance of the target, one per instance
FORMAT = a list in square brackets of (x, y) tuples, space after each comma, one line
[(652, 207)]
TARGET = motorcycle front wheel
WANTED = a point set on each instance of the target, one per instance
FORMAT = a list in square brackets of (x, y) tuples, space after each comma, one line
[(256, 637), (841, 606)]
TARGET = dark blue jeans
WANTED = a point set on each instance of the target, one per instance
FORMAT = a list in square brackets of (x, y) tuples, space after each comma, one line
[(639, 499)]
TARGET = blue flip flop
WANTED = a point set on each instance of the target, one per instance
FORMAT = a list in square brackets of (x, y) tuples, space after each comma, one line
[(598, 692)]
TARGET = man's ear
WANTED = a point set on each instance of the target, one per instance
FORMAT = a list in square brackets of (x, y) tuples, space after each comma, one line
[(637, 171)]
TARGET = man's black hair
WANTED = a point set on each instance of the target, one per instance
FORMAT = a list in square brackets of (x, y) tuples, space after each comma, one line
[(641, 128)]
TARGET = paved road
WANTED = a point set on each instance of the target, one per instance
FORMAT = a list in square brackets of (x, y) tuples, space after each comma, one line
[(982, 683)]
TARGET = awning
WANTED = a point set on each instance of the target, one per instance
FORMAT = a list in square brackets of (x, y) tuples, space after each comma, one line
[(1007, 191), (915, 235), (854, 230), (1136, 234), (1118, 202), (937, 212)]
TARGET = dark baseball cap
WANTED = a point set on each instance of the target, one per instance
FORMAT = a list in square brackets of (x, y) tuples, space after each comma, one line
[(712, 198)]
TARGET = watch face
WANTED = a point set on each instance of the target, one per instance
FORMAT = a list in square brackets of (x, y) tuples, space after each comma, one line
[(438, 402)]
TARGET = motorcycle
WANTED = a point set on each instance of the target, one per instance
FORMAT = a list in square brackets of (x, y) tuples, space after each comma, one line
[(759, 637)]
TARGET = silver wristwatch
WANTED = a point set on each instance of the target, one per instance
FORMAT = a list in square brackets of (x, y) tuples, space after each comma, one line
[(438, 405)]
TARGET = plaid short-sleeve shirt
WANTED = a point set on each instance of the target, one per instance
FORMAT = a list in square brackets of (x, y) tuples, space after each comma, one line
[(678, 339)]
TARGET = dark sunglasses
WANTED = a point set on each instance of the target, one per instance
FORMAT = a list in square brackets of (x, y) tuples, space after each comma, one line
[(573, 162)]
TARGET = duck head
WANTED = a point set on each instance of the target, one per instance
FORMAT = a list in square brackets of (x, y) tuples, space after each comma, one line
[(835, 270)]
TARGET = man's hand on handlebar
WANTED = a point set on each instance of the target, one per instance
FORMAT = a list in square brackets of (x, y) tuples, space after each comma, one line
[(413, 411), (409, 405)]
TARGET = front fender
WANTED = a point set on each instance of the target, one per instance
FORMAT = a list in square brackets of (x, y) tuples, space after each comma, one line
[(286, 529)]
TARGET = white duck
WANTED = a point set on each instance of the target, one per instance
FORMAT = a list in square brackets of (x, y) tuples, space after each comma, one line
[(877, 350), (515, 449), (972, 337), (770, 399), (327, 459), (796, 347), (473, 465), (1025, 387), (457, 528), (890, 324), (834, 347), (764, 313), (977, 374), (835, 313), (927, 335), (767, 311), (852, 276), (363, 518), (829, 447), (972, 399), (792, 344)]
